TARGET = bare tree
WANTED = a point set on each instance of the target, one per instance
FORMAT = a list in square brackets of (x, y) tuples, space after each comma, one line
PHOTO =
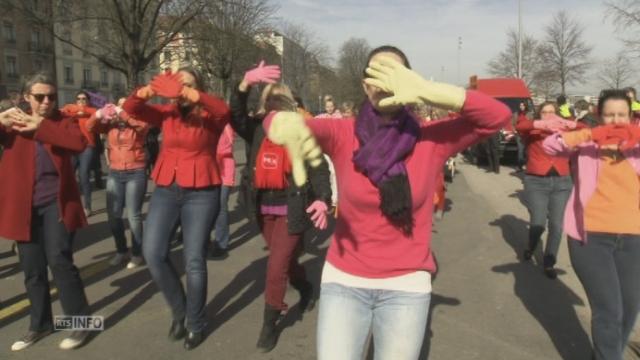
[(617, 71), (303, 56), (225, 35), (505, 64), (564, 54), (124, 35), (625, 16), (351, 60)]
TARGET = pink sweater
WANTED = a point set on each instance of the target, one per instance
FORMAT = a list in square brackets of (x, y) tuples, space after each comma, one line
[(585, 166), (365, 243), (224, 156)]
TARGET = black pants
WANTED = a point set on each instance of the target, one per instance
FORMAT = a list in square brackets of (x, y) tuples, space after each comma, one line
[(491, 148), (608, 267), (51, 244)]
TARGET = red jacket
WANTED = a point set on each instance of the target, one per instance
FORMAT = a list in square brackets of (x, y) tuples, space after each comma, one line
[(61, 137), (538, 161), (126, 145), (188, 153), (72, 110)]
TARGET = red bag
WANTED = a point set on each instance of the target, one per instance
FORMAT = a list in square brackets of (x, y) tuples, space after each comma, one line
[(272, 167)]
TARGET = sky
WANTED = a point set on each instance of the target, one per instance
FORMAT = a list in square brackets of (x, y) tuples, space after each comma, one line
[(428, 30)]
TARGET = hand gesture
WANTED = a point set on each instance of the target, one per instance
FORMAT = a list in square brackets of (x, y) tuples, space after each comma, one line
[(23, 122), (167, 85), (262, 74), (289, 129), (318, 211), (408, 87)]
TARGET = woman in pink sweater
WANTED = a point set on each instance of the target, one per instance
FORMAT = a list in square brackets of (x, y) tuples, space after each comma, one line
[(377, 275)]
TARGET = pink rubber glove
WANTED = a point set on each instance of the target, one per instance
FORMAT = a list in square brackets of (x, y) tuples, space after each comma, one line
[(318, 211), (106, 113), (262, 74)]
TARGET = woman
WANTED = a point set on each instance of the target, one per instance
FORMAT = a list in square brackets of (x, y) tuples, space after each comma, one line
[(281, 208), (602, 220), (227, 166), (547, 184), (187, 190), (81, 111), (41, 206), (377, 275), (127, 181)]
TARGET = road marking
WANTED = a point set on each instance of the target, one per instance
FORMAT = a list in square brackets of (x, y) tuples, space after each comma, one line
[(85, 272)]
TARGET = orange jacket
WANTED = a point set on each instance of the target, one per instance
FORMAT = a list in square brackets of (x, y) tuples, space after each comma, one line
[(81, 114), (125, 140)]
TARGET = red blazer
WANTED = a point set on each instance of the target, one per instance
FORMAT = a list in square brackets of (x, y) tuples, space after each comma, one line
[(188, 152), (538, 161), (61, 137)]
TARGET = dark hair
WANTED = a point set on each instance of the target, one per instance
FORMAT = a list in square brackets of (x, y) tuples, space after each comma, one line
[(526, 106), (561, 100), (543, 105), (200, 84), (630, 89), (581, 105), (385, 49), (38, 78), (612, 94), (298, 100), (82, 92)]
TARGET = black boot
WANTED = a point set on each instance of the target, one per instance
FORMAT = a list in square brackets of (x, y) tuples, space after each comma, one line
[(549, 262), (305, 288), (177, 330), (193, 339), (269, 333)]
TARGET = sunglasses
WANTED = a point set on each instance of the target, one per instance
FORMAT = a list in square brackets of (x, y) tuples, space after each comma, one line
[(40, 97)]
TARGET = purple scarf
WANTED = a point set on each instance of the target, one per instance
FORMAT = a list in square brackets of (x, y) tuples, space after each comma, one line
[(384, 146)]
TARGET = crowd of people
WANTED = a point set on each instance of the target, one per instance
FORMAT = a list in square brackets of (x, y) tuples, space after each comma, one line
[(374, 171)]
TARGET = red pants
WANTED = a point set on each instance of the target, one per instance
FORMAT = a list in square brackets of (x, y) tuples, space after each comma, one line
[(282, 265)]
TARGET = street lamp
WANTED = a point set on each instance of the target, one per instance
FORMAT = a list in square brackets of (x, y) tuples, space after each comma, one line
[(519, 39)]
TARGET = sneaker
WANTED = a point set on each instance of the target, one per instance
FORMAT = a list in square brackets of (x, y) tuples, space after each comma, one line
[(135, 262), (29, 339), (118, 259), (75, 340)]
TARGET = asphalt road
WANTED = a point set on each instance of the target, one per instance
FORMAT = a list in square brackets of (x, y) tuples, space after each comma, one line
[(486, 304)]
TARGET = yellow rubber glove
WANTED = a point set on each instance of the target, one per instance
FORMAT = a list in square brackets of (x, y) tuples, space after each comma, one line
[(408, 87), (288, 129), (145, 92)]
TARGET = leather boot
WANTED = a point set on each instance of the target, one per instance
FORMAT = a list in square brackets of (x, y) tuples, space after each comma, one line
[(269, 333), (305, 288)]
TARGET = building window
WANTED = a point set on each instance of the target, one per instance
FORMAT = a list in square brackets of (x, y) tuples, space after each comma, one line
[(167, 57), (68, 74), (9, 32), (34, 44), (37, 65), (86, 75), (104, 78), (11, 66)]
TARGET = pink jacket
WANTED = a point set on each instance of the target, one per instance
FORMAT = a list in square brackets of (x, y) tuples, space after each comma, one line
[(584, 169), (224, 156)]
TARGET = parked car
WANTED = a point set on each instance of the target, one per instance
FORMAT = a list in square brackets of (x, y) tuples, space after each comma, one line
[(511, 92)]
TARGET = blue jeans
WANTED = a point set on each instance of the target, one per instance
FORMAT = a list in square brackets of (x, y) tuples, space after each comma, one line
[(83, 162), (195, 209), (396, 319), (126, 188), (222, 221), (608, 267), (546, 198)]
